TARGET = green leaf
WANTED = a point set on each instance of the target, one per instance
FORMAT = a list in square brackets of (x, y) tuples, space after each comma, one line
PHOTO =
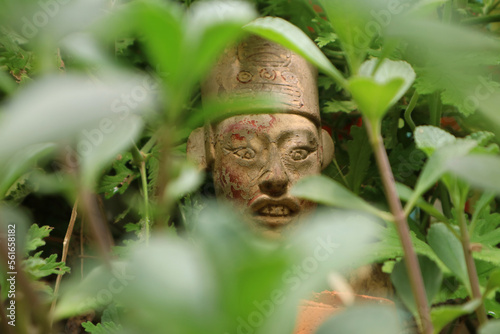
[(324, 190), (376, 319), (389, 247), (488, 254), (355, 25), (210, 26), (280, 31), (375, 92), (429, 138), (120, 180), (449, 249), (20, 162), (437, 165), (491, 327), (189, 180), (479, 170), (35, 236), (102, 147), (443, 315), (80, 106), (336, 106), (493, 282), (431, 275), (38, 267), (405, 193)]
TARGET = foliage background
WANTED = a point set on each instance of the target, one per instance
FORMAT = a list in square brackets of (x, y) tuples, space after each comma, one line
[(148, 185)]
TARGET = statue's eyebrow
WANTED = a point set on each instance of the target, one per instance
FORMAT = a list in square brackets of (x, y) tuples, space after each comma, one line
[(308, 133)]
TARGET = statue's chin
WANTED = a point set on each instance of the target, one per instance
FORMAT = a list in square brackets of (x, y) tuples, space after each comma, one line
[(274, 226)]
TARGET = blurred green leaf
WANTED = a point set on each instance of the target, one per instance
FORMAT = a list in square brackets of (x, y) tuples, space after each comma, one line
[(356, 25), (480, 171), (431, 275), (189, 180), (377, 319), (20, 162), (491, 327), (430, 138), (443, 315), (59, 108), (449, 249), (437, 165), (285, 33), (375, 90), (324, 190), (405, 193), (493, 282), (103, 144)]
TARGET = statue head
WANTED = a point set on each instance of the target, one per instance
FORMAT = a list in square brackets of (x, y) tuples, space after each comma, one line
[(257, 157)]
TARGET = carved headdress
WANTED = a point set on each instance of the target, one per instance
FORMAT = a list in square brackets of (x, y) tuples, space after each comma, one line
[(258, 67)]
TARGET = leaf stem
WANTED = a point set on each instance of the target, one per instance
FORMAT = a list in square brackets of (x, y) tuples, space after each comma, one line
[(482, 19), (411, 261), (67, 238), (471, 266), (435, 109), (409, 110)]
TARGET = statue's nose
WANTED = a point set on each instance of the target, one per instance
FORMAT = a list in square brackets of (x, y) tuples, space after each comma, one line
[(275, 181)]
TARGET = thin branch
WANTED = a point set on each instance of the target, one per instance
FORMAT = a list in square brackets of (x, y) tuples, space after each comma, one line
[(411, 261), (471, 266), (67, 238)]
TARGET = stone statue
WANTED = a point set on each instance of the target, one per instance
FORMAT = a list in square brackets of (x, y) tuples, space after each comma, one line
[(256, 158)]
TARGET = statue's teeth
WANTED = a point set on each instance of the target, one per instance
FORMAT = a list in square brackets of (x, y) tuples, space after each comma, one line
[(275, 210)]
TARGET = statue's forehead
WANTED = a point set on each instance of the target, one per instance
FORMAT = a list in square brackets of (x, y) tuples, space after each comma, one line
[(272, 124)]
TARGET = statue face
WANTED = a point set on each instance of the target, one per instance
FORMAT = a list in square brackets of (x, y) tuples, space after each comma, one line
[(257, 160)]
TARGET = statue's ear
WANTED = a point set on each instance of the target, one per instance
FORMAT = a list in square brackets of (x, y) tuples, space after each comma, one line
[(328, 148), (199, 148)]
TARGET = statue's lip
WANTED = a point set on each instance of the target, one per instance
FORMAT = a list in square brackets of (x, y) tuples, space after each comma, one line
[(275, 208)]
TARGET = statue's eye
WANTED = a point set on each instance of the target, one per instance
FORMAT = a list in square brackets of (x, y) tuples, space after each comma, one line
[(245, 153), (298, 154)]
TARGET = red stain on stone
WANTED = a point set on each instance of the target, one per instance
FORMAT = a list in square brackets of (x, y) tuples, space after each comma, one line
[(238, 137)]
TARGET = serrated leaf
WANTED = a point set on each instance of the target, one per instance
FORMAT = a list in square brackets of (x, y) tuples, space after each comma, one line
[(324, 190), (35, 236), (443, 315), (336, 106), (38, 267), (449, 249)]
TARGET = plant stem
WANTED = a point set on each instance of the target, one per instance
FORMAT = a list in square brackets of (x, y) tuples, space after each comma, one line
[(471, 266), (411, 261), (409, 110), (435, 109), (482, 19), (67, 238), (144, 181)]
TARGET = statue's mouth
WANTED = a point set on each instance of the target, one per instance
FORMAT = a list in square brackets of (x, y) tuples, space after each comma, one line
[(275, 212)]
